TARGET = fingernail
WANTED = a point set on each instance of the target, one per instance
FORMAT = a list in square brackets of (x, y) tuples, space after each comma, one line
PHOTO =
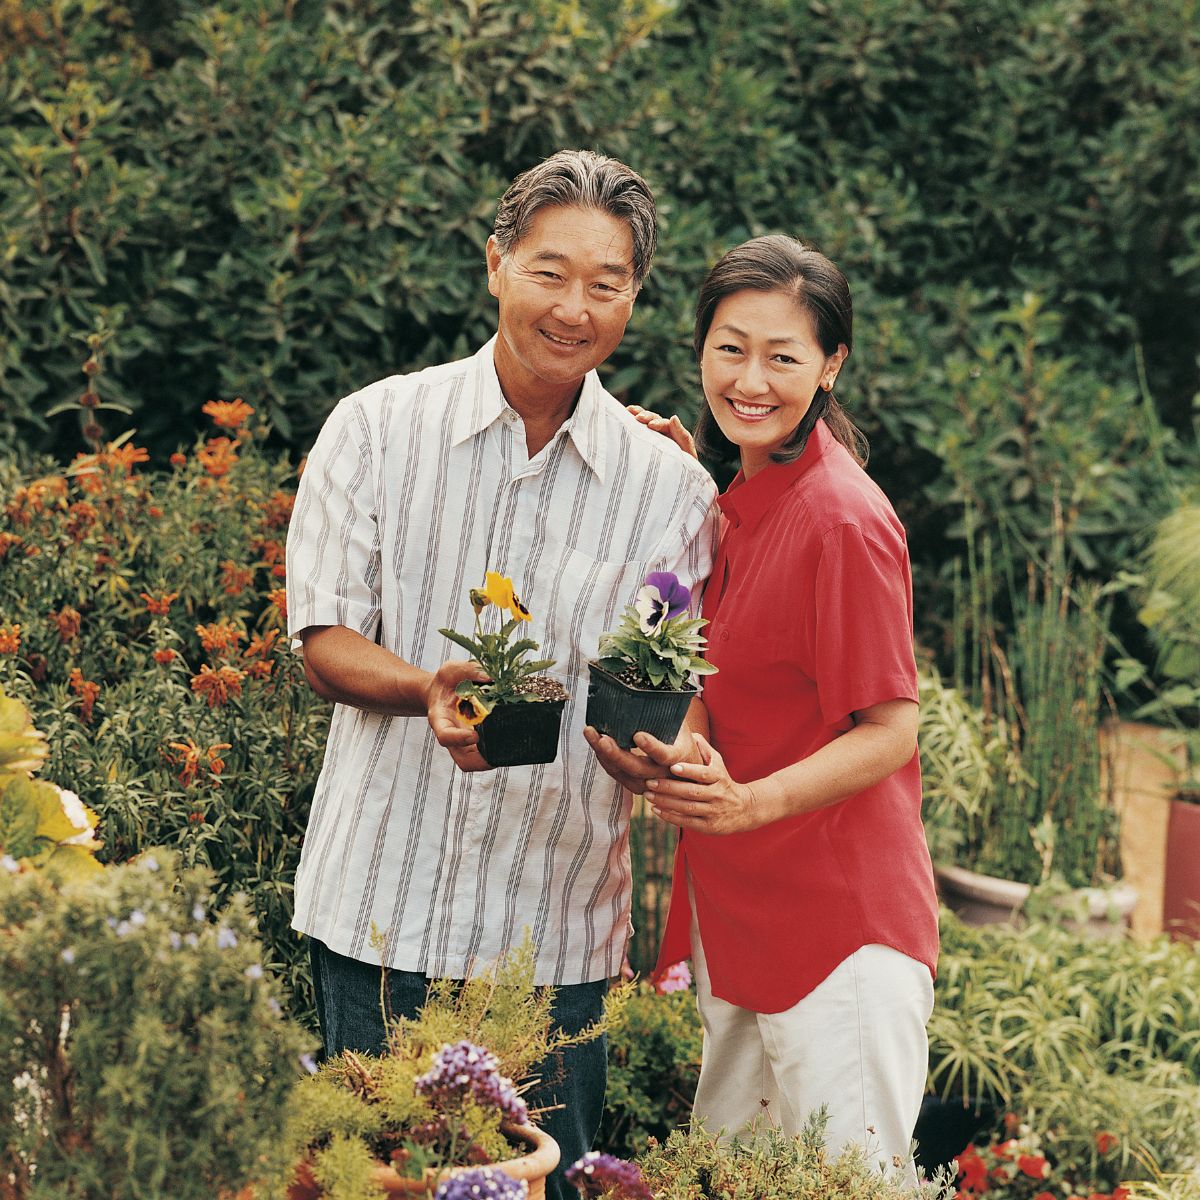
[(652, 784), (677, 768)]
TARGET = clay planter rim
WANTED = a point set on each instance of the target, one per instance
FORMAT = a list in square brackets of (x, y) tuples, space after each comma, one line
[(532, 1167), (1008, 893)]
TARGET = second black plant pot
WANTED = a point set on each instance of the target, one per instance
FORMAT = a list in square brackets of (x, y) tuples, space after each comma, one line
[(520, 734), (620, 709)]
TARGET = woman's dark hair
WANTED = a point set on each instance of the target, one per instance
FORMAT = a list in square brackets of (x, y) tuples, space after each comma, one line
[(777, 263)]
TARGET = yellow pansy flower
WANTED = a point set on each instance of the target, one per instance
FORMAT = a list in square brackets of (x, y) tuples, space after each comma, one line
[(470, 710), (498, 589)]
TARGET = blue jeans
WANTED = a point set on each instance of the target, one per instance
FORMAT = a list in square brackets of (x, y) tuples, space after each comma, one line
[(348, 1005)]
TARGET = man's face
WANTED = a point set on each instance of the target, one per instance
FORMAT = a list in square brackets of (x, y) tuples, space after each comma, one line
[(566, 292)]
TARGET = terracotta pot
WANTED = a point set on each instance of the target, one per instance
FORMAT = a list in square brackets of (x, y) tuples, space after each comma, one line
[(533, 1167), (620, 709), (518, 735), (987, 900), (1181, 879)]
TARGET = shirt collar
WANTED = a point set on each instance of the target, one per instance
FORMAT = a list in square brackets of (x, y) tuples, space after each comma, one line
[(746, 501), (584, 426)]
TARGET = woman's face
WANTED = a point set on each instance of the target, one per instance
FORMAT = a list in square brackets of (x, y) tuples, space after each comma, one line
[(761, 367)]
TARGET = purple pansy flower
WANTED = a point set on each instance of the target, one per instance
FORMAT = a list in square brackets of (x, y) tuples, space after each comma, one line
[(597, 1174), (662, 598), (482, 1183), (466, 1069)]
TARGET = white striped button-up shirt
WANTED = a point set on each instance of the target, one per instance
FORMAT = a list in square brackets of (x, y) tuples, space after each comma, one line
[(416, 486)]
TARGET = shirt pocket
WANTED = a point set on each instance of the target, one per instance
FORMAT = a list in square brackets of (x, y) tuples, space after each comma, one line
[(583, 599)]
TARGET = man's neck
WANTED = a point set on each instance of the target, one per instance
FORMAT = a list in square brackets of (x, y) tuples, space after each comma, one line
[(543, 407)]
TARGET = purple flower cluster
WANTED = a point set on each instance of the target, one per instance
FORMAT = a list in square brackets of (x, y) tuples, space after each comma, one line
[(597, 1174), (466, 1069), (483, 1183)]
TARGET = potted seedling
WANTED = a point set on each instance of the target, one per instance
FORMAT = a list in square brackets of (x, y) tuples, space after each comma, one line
[(516, 711), (643, 677)]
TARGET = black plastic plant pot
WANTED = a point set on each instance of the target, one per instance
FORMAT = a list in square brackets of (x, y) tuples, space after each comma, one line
[(520, 734), (620, 710)]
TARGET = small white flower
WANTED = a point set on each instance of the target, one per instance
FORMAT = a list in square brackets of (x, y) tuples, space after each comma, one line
[(137, 918), (68, 955), (254, 971), (308, 1063), (226, 938), (150, 862), (175, 940), (191, 939), (10, 864), (275, 1006), (198, 913)]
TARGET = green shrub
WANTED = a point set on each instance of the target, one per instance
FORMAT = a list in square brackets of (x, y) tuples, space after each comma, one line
[(143, 1052), (1075, 1036), (653, 1064), (692, 1163), (181, 722)]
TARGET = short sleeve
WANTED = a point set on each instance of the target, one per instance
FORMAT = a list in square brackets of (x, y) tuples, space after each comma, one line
[(333, 560), (864, 628)]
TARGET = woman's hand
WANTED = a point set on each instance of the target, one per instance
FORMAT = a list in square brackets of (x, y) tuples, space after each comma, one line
[(703, 797), (672, 428)]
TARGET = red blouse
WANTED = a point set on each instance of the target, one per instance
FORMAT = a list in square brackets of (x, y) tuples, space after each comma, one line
[(810, 611)]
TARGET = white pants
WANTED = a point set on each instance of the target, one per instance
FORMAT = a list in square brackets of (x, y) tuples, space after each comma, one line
[(856, 1043)]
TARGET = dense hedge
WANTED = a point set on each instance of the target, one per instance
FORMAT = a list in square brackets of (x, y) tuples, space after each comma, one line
[(284, 200)]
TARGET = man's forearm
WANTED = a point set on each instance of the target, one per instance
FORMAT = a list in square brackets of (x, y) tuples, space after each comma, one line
[(345, 667)]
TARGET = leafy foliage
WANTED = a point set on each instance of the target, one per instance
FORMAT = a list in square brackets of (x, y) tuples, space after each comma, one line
[(359, 1109), (694, 1163), (143, 1051), (666, 658), (653, 1065), (150, 655), (1075, 1036)]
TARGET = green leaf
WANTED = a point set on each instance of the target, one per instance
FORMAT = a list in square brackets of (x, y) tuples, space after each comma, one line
[(472, 648), (92, 254)]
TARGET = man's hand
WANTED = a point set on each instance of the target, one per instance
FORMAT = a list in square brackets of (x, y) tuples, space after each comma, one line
[(651, 760), (672, 428), (460, 740)]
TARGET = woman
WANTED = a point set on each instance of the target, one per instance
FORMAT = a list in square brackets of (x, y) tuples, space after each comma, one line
[(803, 886)]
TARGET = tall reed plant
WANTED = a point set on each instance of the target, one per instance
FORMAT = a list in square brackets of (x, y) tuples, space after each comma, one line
[(1029, 646)]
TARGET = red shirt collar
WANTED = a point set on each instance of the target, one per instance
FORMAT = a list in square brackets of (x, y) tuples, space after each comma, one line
[(746, 501)]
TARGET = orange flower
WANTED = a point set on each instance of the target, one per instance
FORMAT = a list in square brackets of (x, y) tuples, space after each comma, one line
[(218, 638), (7, 542), (163, 657), (159, 605), (67, 622), (154, 511), (177, 459), (217, 686), (218, 455), (188, 757), (228, 414), (234, 579), (279, 571), (88, 692), (10, 639), (1105, 1140), (278, 597), (125, 458), (81, 516), (216, 764), (269, 551), (278, 510), (262, 645), (259, 669)]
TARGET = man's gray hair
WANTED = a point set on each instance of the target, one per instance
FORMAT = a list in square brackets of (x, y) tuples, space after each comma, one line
[(580, 177)]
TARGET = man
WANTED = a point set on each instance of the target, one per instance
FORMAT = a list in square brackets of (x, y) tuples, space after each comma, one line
[(515, 460)]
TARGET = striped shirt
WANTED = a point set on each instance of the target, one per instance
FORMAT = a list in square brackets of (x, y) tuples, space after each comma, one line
[(416, 486)]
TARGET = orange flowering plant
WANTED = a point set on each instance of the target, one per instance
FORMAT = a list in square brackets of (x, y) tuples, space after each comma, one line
[(141, 618)]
